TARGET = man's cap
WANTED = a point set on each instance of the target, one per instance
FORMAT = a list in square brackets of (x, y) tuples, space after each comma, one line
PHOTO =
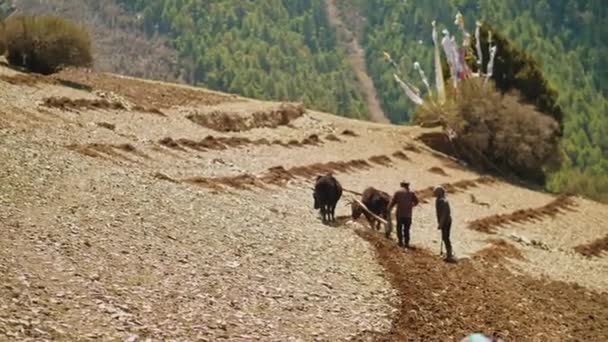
[(440, 189), (405, 183)]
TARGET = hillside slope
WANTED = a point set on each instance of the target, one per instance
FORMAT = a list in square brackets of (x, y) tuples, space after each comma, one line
[(133, 209)]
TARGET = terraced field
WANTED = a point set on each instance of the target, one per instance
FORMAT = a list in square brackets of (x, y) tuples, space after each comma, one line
[(134, 210)]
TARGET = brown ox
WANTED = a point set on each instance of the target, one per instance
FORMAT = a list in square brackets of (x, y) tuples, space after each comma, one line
[(377, 202)]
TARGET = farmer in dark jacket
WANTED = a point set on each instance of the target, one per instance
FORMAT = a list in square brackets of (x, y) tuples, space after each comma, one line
[(444, 219), (405, 200)]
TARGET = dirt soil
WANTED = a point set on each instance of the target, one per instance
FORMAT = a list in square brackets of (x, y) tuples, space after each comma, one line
[(120, 225), (445, 302)]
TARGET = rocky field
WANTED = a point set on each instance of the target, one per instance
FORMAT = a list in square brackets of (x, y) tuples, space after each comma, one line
[(136, 210)]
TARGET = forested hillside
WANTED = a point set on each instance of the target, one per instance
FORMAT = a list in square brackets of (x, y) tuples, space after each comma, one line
[(276, 49), (564, 36)]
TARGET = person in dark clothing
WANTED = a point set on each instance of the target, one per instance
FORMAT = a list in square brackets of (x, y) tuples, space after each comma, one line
[(405, 200), (444, 220)]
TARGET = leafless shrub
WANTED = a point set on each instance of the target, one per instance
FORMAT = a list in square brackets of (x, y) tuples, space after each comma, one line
[(497, 129)]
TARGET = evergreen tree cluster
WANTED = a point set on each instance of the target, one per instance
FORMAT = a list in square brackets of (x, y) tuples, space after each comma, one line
[(274, 49)]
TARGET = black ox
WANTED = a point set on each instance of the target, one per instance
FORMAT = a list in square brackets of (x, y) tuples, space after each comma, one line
[(327, 193)]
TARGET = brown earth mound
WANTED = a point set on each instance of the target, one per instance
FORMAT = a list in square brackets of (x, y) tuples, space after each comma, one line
[(498, 250), (131, 149), (411, 147), (107, 151), (312, 139), (446, 302), (491, 223), (332, 137), (162, 176), (170, 143), (593, 249), (143, 93), (437, 170), (235, 122), (150, 110), (381, 160), (106, 125), (349, 133), (65, 103), (401, 155)]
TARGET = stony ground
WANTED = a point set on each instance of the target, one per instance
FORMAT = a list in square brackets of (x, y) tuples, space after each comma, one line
[(139, 210)]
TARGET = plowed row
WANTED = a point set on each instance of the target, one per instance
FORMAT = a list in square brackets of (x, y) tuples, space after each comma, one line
[(446, 302), (107, 151), (593, 249), (65, 103), (456, 187), (279, 175), (223, 143), (491, 223)]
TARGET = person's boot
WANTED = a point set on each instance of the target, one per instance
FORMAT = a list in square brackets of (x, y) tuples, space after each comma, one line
[(449, 257)]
